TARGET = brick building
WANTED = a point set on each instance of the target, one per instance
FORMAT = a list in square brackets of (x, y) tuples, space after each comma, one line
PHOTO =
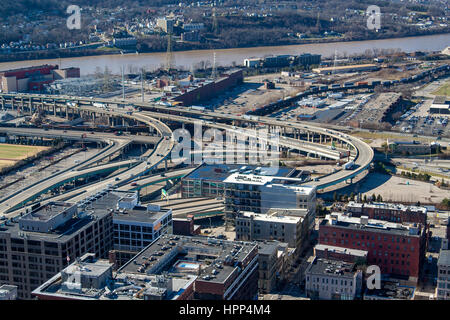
[(398, 249), (398, 213), (34, 78)]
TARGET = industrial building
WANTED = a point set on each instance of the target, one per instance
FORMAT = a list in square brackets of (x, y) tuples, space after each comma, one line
[(440, 105), (285, 60), (89, 278), (346, 69), (389, 212), (33, 79), (209, 89), (332, 280), (36, 245), (398, 249)]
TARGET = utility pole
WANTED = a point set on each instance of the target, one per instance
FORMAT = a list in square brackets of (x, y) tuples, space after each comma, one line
[(123, 84), (142, 84), (214, 70), (169, 54)]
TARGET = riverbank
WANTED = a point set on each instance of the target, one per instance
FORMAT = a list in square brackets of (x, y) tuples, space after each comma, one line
[(74, 53), (233, 56)]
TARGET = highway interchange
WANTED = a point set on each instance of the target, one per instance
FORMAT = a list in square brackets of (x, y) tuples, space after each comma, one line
[(155, 117)]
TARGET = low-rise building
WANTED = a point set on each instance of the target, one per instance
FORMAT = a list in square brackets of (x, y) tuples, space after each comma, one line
[(225, 270), (346, 69), (8, 292), (390, 290), (251, 226), (398, 249), (443, 275), (332, 280), (339, 253), (274, 259), (410, 147), (89, 278), (389, 212)]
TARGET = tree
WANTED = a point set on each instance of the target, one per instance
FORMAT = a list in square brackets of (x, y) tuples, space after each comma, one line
[(379, 198), (373, 197), (352, 196)]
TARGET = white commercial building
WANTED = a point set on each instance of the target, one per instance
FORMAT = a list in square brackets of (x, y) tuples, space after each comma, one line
[(259, 194), (332, 280)]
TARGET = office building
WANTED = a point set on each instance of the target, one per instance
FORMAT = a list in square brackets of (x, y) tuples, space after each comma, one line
[(398, 249), (327, 279), (258, 194), (89, 278), (207, 180), (40, 243), (389, 212)]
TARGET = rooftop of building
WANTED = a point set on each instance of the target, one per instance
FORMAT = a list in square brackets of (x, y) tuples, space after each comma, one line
[(274, 217), (118, 286), (140, 214), (269, 181), (388, 206), (219, 172), (215, 260), (343, 220), (391, 290), (47, 211), (346, 67), (95, 207), (330, 267), (341, 250)]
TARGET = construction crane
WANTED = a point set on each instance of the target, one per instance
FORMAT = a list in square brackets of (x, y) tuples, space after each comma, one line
[(169, 55), (37, 117)]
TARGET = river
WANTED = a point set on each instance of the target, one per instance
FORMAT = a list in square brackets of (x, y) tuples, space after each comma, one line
[(226, 57)]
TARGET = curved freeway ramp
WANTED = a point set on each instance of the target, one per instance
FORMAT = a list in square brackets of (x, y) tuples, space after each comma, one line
[(159, 154)]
